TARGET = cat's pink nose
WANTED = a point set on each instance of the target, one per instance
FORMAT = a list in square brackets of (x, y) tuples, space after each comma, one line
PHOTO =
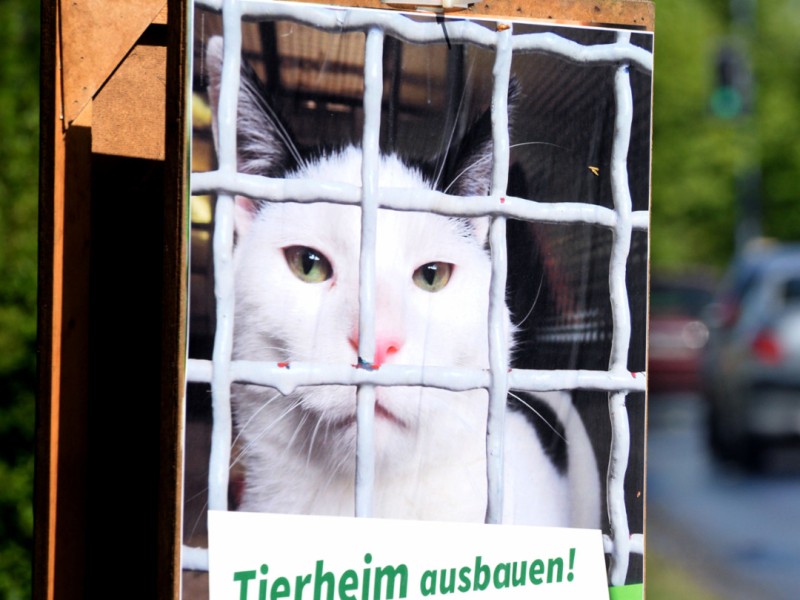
[(385, 347)]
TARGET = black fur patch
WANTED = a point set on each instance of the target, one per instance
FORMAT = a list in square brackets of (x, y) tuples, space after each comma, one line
[(548, 426)]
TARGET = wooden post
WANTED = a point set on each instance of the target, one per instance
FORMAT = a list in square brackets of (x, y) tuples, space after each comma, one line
[(112, 246)]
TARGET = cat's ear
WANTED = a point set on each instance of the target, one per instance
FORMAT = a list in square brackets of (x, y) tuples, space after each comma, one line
[(244, 211), (214, 73), (472, 173), (264, 146)]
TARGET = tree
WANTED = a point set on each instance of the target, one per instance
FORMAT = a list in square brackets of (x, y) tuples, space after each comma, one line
[(19, 114), (777, 62), (698, 156), (694, 155)]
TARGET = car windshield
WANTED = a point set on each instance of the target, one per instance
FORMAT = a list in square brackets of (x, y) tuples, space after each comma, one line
[(678, 299), (791, 291)]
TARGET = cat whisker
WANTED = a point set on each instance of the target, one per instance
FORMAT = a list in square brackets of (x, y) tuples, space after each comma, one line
[(204, 491), (202, 513), (311, 441), (196, 496), (489, 158), (538, 414), (465, 171), (244, 451), (253, 416), (266, 342), (448, 145), (526, 343), (297, 430), (276, 122), (521, 144), (535, 300), (333, 470)]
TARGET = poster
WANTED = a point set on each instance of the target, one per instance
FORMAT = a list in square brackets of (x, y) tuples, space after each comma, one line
[(373, 259)]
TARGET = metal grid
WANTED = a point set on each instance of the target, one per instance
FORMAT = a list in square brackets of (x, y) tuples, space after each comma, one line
[(221, 371)]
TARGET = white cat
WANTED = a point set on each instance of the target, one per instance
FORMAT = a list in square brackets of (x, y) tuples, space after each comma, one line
[(296, 273)]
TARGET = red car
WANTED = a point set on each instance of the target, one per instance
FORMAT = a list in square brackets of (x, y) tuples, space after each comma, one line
[(677, 333)]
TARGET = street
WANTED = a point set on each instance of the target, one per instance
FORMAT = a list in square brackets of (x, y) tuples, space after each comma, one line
[(736, 531)]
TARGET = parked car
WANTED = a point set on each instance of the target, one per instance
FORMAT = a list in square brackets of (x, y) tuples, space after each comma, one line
[(751, 364), (677, 332)]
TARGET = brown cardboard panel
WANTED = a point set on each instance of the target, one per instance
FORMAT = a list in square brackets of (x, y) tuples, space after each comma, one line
[(95, 36), (128, 112), (637, 14), (161, 17)]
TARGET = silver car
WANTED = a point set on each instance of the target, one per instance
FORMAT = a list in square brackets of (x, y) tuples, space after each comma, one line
[(752, 360)]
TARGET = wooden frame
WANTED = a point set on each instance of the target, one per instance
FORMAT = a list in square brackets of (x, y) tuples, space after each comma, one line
[(105, 127), (112, 280)]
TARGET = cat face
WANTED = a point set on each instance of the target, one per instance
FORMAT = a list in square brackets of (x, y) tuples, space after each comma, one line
[(297, 290), (297, 286)]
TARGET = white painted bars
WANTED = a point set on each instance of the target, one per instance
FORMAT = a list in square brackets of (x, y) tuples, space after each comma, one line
[(370, 159)]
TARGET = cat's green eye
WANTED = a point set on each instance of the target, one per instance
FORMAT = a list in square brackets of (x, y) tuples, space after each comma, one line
[(433, 276), (307, 264)]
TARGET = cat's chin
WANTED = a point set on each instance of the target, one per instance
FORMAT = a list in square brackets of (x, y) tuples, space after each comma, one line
[(382, 415)]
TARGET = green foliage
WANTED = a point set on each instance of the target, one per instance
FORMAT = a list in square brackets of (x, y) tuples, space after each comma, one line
[(693, 154), (19, 115), (778, 72), (696, 156)]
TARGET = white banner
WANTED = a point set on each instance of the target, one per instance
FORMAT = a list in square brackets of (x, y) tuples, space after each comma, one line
[(257, 556)]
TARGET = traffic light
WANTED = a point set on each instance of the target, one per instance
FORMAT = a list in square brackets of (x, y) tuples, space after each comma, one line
[(732, 95)]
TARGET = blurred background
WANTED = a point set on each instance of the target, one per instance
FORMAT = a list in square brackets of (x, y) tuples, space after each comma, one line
[(723, 499), (724, 469)]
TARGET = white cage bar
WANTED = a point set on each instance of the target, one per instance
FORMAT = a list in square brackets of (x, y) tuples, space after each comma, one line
[(222, 371)]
